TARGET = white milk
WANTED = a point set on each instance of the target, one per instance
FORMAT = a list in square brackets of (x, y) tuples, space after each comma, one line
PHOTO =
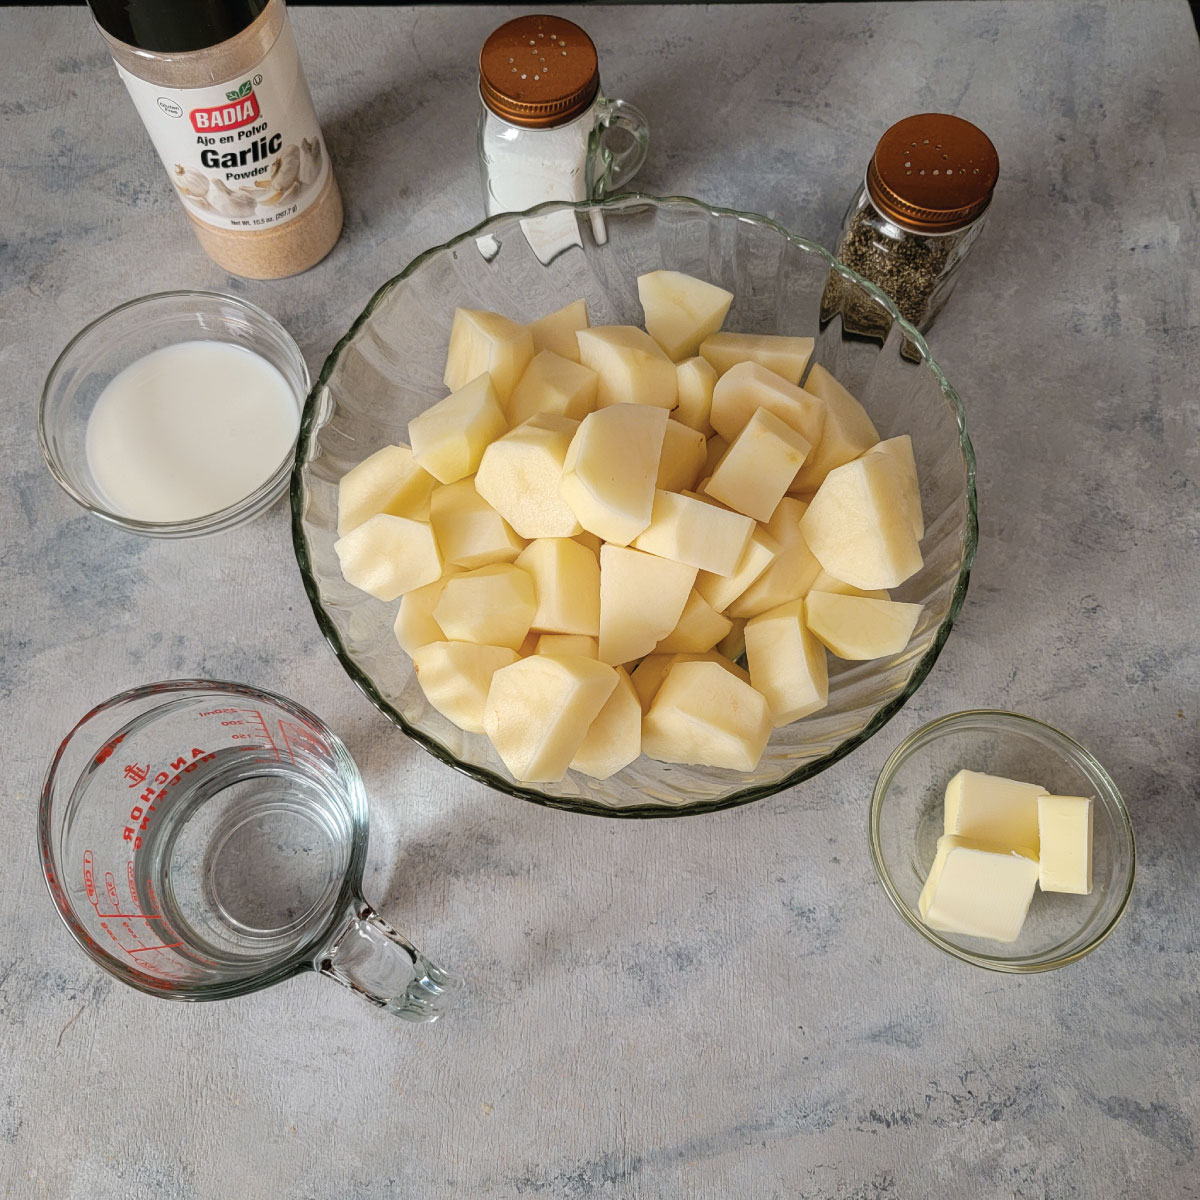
[(188, 430)]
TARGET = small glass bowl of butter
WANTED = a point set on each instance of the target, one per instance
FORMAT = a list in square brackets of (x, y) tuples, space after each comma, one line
[(945, 875)]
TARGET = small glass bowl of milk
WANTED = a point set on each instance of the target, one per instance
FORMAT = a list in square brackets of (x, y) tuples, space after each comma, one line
[(175, 414)]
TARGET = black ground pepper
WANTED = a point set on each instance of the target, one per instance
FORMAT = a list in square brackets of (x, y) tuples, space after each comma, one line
[(908, 269)]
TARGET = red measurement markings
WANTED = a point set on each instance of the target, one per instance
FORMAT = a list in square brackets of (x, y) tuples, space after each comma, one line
[(153, 897), (171, 973), (110, 887), (304, 739), (141, 813), (259, 720), (106, 751), (245, 725), (120, 919)]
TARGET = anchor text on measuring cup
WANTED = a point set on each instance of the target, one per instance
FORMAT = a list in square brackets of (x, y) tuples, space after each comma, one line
[(141, 813)]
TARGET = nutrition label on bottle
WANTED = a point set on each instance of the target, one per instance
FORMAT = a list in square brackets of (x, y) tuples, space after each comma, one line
[(243, 154)]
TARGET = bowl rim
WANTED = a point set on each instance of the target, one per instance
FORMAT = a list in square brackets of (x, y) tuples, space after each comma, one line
[(1078, 755), (241, 510), (737, 796)]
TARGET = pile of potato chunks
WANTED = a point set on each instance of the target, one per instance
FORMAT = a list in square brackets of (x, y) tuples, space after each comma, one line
[(598, 521)]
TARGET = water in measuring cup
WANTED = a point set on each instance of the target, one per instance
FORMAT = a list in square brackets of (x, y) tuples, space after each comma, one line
[(248, 865)]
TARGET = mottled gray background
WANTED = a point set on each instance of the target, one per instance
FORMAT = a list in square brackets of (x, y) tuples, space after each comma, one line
[(693, 1008)]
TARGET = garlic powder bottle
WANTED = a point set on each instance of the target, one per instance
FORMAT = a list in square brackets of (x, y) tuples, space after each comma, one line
[(219, 86)]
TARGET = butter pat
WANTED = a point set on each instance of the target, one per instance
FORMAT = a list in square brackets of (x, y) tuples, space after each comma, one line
[(978, 889), (990, 808), (1065, 828)]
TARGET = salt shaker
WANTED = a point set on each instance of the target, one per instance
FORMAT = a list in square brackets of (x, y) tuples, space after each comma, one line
[(919, 211), (546, 132)]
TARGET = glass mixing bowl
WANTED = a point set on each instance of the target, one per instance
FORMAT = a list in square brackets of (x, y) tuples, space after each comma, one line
[(389, 367), (907, 819)]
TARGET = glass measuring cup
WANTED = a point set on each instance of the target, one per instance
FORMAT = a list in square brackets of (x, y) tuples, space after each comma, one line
[(204, 839)]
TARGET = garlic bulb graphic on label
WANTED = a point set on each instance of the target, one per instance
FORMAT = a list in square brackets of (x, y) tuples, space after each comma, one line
[(193, 184), (310, 160), (284, 176), (230, 204)]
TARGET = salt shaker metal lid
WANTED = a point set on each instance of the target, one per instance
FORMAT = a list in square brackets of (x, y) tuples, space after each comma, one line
[(933, 173), (538, 71)]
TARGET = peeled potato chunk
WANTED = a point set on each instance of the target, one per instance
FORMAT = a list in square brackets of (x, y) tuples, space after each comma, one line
[(519, 476), (747, 387), (566, 582), (786, 356), (700, 627), (610, 468), (705, 715), (682, 460), (787, 663), (858, 527), (756, 471), (590, 541), (690, 531), (733, 644), (567, 643), (714, 451), (456, 676), (485, 341), (856, 627), (631, 365), (695, 379), (642, 598), (722, 590), (900, 451), (492, 606), (825, 582), (614, 738), (470, 532), (556, 331), (414, 625), (792, 571), (681, 310), (387, 556), (648, 675), (784, 522), (539, 710), (449, 437), (846, 434), (553, 384), (389, 481)]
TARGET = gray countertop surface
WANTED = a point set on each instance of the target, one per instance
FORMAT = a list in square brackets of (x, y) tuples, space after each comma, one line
[(719, 1006)]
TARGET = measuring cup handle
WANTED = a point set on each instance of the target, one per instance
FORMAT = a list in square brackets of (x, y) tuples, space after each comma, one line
[(609, 168), (371, 958)]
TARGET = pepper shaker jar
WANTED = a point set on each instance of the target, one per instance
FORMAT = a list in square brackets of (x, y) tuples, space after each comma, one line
[(546, 132), (919, 210)]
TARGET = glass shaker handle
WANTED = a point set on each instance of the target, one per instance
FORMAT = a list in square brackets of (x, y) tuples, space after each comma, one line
[(613, 161), (371, 958)]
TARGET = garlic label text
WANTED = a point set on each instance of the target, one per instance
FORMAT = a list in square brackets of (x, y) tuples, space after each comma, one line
[(245, 154)]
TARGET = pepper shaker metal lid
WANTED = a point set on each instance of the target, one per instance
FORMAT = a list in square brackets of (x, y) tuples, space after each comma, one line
[(933, 173), (538, 71)]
